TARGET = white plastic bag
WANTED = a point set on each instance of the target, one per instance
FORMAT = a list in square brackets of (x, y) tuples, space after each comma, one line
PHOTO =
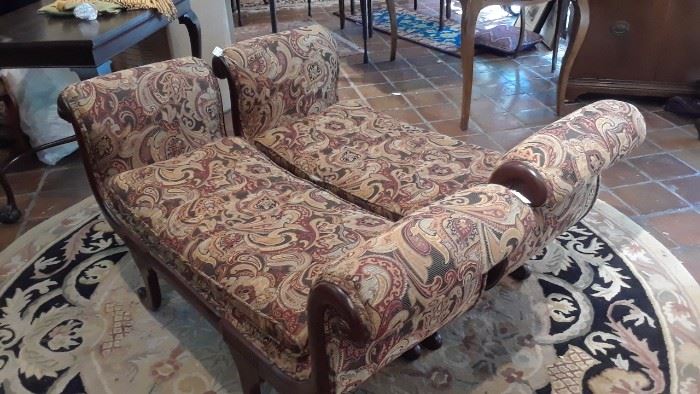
[(36, 91)]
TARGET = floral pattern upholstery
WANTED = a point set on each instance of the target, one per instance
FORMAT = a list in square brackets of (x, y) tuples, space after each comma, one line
[(280, 78), (369, 158), (143, 115), (423, 272), (570, 154), (252, 239), (251, 235)]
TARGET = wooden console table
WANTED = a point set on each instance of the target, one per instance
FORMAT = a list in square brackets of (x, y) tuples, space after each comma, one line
[(29, 39)]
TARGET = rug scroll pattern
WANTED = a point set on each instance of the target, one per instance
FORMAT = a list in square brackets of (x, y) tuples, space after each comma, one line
[(588, 320)]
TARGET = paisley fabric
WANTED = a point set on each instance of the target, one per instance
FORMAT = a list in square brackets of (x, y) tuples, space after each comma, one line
[(429, 268), (139, 116), (251, 234), (282, 77), (570, 154), (375, 161)]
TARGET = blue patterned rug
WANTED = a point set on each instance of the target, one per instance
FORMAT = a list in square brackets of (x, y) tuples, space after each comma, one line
[(425, 30)]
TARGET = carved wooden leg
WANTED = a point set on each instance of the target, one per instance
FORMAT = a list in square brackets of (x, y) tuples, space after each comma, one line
[(433, 342), (520, 274), (10, 213), (150, 293), (412, 354), (561, 20), (250, 380), (470, 13), (191, 22)]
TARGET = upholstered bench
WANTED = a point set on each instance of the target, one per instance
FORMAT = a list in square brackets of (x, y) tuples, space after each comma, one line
[(314, 289)]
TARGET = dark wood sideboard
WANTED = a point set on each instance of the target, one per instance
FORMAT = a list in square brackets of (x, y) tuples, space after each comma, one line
[(639, 48)]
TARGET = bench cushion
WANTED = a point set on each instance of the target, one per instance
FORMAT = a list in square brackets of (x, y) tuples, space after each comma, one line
[(247, 234), (386, 166)]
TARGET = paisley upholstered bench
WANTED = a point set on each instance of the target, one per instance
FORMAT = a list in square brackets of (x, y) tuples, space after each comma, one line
[(314, 290)]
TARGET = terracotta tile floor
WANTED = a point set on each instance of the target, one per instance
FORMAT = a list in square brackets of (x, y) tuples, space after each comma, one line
[(659, 187)]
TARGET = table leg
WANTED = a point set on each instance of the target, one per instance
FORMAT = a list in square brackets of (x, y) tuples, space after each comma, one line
[(341, 13), (236, 7), (470, 14), (562, 8), (391, 8), (363, 12), (10, 213), (580, 25), (273, 15), (370, 19), (442, 14), (521, 35), (189, 19)]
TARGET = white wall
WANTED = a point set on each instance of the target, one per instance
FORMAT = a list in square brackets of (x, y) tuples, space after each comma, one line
[(216, 23)]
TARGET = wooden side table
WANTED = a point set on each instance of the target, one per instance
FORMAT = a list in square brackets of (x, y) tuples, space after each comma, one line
[(29, 39), (470, 14)]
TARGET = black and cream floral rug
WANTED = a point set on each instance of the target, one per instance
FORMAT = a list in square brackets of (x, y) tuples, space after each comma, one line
[(608, 309)]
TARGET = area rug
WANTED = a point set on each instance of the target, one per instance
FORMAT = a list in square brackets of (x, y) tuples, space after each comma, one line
[(494, 32), (608, 309), (345, 46)]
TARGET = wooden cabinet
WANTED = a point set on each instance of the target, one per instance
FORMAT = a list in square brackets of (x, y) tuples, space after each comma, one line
[(639, 47)]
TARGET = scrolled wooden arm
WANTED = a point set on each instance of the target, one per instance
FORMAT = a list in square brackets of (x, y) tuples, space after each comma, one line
[(328, 298)]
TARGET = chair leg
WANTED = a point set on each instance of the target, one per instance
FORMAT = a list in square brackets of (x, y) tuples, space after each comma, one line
[(370, 19), (415, 5), (309, 8), (250, 380), (521, 273), (150, 293), (363, 11), (341, 13), (521, 36), (412, 354), (442, 14), (352, 7), (433, 342), (448, 9)]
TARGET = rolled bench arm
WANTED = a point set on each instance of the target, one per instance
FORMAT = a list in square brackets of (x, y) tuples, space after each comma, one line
[(553, 163), (400, 287)]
